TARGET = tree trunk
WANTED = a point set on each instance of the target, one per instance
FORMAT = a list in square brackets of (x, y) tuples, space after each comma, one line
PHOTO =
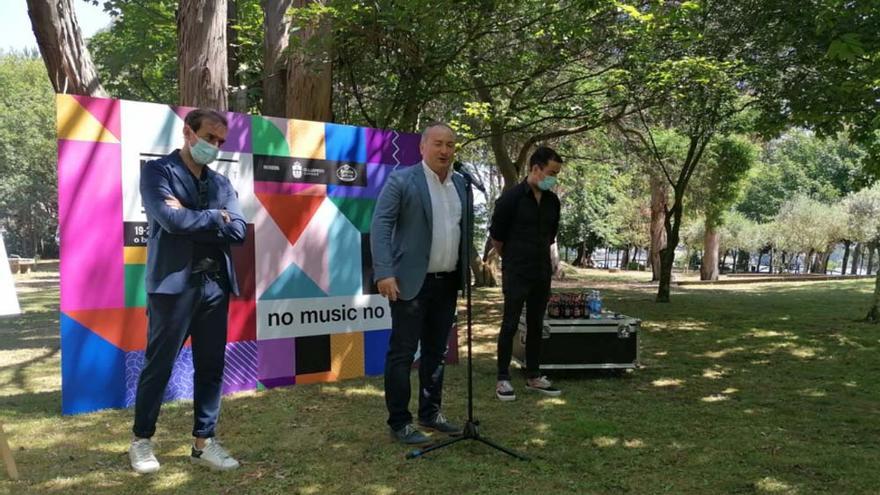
[(871, 249), (856, 259), (711, 241), (67, 59), (238, 92), (624, 262), (201, 53), (874, 313), (309, 71), (846, 245), (581, 251), (659, 200), (276, 26)]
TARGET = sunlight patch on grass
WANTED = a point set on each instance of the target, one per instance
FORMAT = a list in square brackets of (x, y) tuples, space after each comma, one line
[(687, 326), (728, 391), (381, 490), (634, 443), (661, 353), (763, 334), (843, 340), (715, 398), (542, 427), (365, 391), (714, 373), (720, 354), (552, 402), (760, 361), (537, 442), (667, 382), (605, 442), (850, 384), (812, 392), (772, 485), (312, 489)]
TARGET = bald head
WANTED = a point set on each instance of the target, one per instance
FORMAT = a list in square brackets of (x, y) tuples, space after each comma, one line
[(438, 147)]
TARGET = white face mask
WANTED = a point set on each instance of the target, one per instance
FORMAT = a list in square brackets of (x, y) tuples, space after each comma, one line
[(203, 152)]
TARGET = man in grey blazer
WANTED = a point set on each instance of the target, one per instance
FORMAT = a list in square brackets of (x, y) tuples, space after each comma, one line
[(417, 241)]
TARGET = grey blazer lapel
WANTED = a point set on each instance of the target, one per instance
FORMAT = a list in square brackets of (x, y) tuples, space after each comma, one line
[(424, 195)]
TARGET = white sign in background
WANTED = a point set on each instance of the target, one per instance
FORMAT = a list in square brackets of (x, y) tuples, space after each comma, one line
[(8, 298), (285, 318)]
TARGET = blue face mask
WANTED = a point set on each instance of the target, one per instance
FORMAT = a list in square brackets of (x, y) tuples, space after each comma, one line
[(204, 152), (547, 183)]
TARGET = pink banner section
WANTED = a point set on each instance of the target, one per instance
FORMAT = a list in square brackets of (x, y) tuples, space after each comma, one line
[(90, 214)]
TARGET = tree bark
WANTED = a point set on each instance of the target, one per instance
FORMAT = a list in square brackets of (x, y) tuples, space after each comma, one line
[(871, 249), (856, 259), (309, 72), (276, 28), (238, 92), (846, 245), (659, 205), (201, 53), (624, 262), (67, 59), (874, 313), (711, 241)]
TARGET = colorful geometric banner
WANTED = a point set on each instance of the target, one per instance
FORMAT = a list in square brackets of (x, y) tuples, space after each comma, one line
[(308, 310)]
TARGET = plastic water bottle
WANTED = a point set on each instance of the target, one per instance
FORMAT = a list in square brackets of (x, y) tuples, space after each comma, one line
[(595, 304)]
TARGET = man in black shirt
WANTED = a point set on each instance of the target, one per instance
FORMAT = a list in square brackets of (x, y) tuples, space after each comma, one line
[(524, 226)]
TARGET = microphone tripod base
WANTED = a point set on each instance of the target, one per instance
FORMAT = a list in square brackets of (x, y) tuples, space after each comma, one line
[(471, 431)]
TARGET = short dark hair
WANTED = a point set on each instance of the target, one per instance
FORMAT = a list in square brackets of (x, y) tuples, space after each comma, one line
[(542, 156), (195, 118)]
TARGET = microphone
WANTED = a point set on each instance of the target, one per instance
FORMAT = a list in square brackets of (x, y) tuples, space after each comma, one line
[(465, 170)]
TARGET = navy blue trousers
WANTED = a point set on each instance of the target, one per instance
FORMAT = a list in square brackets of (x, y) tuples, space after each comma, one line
[(425, 319), (199, 312)]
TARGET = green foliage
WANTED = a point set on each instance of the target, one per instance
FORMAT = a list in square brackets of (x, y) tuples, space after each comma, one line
[(136, 56), (28, 184), (719, 184), (799, 162)]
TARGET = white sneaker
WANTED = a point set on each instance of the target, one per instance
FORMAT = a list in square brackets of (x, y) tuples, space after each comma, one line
[(214, 456), (504, 391), (141, 455), (543, 385)]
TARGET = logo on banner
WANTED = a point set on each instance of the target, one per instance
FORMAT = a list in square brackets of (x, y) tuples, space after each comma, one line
[(297, 170), (347, 173)]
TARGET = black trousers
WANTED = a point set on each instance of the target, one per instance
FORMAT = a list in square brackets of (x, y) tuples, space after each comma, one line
[(533, 290), (200, 312), (426, 320)]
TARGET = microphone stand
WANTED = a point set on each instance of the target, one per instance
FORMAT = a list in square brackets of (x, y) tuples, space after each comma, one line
[(471, 430)]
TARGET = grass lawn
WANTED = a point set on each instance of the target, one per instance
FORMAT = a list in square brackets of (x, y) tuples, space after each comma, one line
[(758, 388)]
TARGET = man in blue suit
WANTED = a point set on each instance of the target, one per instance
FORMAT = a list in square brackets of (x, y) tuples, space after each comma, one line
[(193, 216), (417, 240)]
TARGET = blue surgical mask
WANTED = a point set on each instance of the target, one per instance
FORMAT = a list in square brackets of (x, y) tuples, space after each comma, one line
[(204, 152), (547, 183)]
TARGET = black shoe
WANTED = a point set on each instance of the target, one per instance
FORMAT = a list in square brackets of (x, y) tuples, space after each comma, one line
[(409, 435), (441, 424)]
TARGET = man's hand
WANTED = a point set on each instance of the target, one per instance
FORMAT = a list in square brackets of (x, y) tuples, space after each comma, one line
[(225, 215), (173, 202), (388, 288), (499, 247)]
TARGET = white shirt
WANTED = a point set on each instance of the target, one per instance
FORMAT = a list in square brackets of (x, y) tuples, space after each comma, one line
[(446, 214)]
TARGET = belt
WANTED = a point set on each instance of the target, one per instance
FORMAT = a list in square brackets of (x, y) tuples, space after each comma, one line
[(441, 274)]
